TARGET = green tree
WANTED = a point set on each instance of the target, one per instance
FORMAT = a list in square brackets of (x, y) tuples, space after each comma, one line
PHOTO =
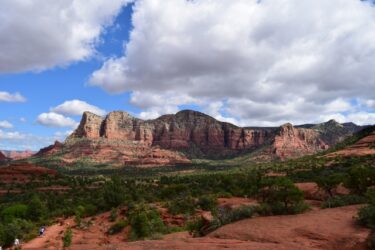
[(114, 192), (359, 179), (145, 222), (328, 183), (36, 209), (280, 196)]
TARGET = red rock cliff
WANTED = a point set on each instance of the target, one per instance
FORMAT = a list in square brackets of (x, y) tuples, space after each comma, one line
[(174, 139), (293, 142), (182, 131)]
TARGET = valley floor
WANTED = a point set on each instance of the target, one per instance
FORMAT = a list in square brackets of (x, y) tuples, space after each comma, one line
[(317, 229)]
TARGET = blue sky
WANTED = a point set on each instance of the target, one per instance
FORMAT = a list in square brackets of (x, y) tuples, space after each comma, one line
[(52, 87), (228, 59)]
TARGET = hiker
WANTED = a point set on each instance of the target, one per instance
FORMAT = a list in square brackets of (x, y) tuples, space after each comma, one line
[(16, 242), (41, 230)]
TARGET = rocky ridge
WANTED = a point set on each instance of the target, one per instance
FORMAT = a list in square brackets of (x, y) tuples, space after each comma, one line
[(120, 139), (364, 146), (18, 155)]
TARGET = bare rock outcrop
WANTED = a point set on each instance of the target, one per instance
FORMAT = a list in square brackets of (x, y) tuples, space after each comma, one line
[(175, 139), (89, 127), (293, 142)]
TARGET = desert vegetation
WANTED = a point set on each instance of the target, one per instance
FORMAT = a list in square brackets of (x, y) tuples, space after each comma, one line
[(135, 198)]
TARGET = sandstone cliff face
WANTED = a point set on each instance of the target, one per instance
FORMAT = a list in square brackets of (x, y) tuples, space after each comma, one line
[(175, 139), (182, 131), (293, 142), (89, 127)]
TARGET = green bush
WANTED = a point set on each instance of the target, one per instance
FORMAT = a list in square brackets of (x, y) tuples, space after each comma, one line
[(224, 215), (114, 192), (113, 215), (200, 227), (18, 228), (67, 238), (207, 202), (13, 212), (228, 215), (36, 209), (280, 196), (343, 200), (182, 205), (359, 179), (79, 213), (366, 215), (145, 222), (328, 183), (117, 227)]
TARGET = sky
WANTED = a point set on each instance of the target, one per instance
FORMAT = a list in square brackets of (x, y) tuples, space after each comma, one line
[(248, 62)]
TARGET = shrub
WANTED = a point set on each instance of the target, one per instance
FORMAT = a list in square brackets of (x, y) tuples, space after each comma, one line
[(328, 183), (366, 215), (228, 215), (207, 202), (280, 196), (79, 213), (182, 205), (117, 227), (13, 212), (67, 238), (225, 215), (15, 229), (114, 192), (36, 209), (113, 215), (343, 200), (201, 227), (145, 221), (359, 179)]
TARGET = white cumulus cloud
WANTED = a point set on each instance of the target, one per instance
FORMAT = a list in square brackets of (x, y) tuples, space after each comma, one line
[(76, 107), (261, 62), (5, 124), (52, 119), (38, 34), (9, 97)]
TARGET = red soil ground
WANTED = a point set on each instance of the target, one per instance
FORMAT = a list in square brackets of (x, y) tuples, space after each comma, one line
[(332, 229)]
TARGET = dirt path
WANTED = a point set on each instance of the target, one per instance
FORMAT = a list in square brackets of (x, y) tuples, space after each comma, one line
[(52, 238)]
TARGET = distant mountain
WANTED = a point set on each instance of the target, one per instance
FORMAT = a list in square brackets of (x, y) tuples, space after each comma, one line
[(2, 156), (17, 155), (359, 144), (120, 139)]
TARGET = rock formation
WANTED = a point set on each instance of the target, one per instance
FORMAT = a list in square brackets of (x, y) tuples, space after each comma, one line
[(364, 146), (122, 139), (18, 155), (177, 132), (293, 142), (3, 157)]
